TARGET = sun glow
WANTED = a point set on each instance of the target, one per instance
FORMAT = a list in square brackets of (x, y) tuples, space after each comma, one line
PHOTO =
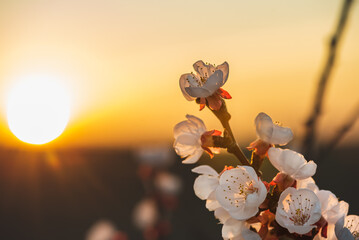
[(38, 109)]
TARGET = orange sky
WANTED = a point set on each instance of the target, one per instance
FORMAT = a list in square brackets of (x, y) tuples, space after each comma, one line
[(121, 61)]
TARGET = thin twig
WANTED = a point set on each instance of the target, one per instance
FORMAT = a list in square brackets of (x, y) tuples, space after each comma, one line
[(339, 134), (310, 134), (223, 116)]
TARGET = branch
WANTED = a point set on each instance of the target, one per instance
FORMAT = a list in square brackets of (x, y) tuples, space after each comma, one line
[(340, 133), (309, 137), (223, 115)]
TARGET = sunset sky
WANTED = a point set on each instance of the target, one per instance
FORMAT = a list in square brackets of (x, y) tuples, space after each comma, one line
[(121, 61)]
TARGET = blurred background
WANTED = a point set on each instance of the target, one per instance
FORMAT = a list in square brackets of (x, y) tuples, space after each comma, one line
[(120, 62)]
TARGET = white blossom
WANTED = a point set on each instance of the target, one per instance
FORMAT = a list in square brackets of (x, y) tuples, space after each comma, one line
[(347, 228), (145, 214), (167, 183), (187, 136), (291, 163), (298, 210), (211, 202), (101, 230), (238, 230), (205, 82), (332, 209), (206, 183), (270, 132), (222, 214), (241, 192), (330, 233), (234, 229), (308, 183), (205, 188)]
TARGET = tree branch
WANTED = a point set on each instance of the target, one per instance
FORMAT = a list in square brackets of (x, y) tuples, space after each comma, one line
[(223, 116), (311, 123), (333, 142)]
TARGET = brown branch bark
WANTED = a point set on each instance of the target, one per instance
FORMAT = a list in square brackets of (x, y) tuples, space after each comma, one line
[(223, 116), (232, 147)]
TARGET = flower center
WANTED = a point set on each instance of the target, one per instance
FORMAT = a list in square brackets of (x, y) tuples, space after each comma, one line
[(194, 81), (353, 228), (197, 81), (278, 123), (299, 218), (238, 189), (250, 189), (299, 209), (246, 189), (356, 235)]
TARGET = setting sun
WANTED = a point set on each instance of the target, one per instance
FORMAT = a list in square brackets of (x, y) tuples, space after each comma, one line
[(38, 110)]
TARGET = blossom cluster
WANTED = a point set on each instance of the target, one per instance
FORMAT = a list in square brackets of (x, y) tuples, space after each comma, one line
[(152, 214), (290, 206)]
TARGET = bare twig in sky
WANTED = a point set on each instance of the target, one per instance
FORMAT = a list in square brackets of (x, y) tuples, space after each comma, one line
[(333, 142), (310, 134)]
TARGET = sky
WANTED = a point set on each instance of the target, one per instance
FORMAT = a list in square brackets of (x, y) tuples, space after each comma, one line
[(121, 62)]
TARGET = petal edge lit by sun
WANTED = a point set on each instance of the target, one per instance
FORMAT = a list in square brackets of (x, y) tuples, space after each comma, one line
[(38, 109)]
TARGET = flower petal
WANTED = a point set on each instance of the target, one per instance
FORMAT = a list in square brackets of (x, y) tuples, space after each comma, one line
[(188, 139), (204, 185), (307, 170), (250, 235), (183, 82), (193, 158), (291, 163), (203, 70), (262, 192), (185, 150), (330, 233), (264, 126), (232, 228), (298, 210), (270, 132), (199, 124), (341, 232), (244, 213), (240, 192), (339, 210), (192, 125), (239, 172), (211, 202), (352, 223), (275, 157), (344, 234), (332, 209), (281, 135), (182, 127), (224, 67), (308, 183), (214, 82), (198, 92), (222, 215), (206, 170)]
